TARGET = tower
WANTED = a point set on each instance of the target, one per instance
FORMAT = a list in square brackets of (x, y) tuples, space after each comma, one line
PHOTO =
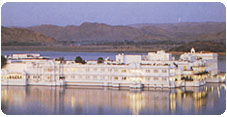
[(192, 50)]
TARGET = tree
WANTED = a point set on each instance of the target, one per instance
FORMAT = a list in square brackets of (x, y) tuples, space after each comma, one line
[(79, 60), (61, 59), (3, 61), (100, 60)]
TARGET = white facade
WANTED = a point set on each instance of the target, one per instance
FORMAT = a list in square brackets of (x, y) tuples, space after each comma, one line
[(20, 56), (126, 59), (127, 71), (160, 56), (209, 59)]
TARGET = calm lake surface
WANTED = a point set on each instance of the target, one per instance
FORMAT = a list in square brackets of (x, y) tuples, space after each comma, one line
[(208, 99)]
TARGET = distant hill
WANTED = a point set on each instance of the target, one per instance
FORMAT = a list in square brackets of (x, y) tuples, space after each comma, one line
[(201, 46), (138, 32), (209, 36), (23, 37), (189, 27), (212, 31), (88, 32)]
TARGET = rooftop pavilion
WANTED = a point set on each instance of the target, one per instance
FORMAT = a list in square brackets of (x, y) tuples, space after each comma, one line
[(26, 56), (152, 56), (160, 55)]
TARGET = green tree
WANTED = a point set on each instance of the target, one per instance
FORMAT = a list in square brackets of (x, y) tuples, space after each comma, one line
[(100, 60), (3, 61), (61, 59), (79, 60)]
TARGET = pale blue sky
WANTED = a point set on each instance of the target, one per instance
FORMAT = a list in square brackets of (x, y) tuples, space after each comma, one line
[(30, 14)]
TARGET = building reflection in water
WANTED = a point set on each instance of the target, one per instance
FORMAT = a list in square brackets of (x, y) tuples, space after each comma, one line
[(81, 100)]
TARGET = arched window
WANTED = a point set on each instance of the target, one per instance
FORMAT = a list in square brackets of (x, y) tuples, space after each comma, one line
[(124, 78)]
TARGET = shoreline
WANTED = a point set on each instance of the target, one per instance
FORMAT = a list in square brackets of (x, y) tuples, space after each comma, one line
[(88, 49)]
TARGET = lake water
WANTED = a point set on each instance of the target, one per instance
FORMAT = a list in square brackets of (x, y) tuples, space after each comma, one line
[(72, 100)]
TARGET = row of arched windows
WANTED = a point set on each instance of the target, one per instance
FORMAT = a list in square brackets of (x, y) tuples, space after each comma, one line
[(12, 77)]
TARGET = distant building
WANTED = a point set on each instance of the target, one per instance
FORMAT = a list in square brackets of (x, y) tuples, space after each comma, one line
[(160, 56)]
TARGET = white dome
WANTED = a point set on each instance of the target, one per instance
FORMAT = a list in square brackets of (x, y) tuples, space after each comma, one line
[(192, 50)]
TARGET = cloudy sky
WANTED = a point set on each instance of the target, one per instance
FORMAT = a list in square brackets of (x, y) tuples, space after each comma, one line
[(30, 14)]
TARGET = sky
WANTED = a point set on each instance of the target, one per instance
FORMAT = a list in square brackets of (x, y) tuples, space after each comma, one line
[(62, 14)]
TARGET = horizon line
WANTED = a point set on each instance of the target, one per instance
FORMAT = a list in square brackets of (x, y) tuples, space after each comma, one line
[(110, 24)]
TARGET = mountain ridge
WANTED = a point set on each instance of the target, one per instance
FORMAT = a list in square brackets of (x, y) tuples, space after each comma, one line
[(103, 32), (24, 37)]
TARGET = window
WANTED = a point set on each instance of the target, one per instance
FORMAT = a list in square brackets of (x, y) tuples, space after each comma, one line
[(147, 78), (65, 69), (164, 71), (124, 78), (147, 70), (155, 71), (123, 70), (185, 68), (151, 78), (155, 78), (73, 69), (164, 79), (172, 71)]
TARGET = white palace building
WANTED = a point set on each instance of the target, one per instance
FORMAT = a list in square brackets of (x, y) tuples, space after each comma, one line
[(156, 69)]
